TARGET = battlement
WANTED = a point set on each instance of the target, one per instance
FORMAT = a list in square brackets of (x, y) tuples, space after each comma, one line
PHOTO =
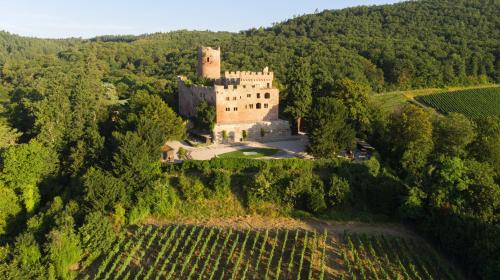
[(246, 73), (185, 82), (249, 75)]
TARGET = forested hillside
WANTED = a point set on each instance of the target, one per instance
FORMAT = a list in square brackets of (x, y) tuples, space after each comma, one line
[(407, 45), (81, 123)]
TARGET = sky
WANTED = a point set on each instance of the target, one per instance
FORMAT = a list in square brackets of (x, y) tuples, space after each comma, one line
[(89, 18)]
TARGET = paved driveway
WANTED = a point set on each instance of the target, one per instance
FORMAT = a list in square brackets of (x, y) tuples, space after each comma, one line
[(288, 148)]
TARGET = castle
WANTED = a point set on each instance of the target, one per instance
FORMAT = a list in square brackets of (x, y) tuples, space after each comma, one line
[(246, 103)]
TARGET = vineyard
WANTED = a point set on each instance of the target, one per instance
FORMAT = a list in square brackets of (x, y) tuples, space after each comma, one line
[(473, 103), (193, 252)]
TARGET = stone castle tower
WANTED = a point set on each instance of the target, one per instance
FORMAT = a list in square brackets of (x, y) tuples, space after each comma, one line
[(246, 103), (209, 62)]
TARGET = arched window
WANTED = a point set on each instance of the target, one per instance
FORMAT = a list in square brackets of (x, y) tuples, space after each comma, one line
[(208, 59), (267, 95), (257, 106)]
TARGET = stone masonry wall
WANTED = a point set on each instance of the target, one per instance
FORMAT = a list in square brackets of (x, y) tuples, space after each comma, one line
[(240, 103), (257, 131), (190, 97)]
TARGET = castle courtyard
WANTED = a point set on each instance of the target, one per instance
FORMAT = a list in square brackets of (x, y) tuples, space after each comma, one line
[(293, 147)]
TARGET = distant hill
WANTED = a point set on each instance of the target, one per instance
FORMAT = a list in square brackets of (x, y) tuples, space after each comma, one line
[(413, 44)]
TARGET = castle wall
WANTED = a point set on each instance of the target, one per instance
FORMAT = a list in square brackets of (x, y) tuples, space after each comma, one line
[(190, 97), (256, 131), (245, 103), (262, 79)]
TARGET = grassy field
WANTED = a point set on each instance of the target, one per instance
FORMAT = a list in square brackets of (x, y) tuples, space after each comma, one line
[(390, 101), (194, 252), (473, 103), (250, 153)]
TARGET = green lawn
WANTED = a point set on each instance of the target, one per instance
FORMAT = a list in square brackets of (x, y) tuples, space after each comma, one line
[(250, 153)]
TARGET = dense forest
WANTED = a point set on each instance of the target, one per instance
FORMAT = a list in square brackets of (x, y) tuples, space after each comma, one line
[(82, 120)]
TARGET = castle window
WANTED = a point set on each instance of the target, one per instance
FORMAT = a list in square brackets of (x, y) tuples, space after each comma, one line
[(267, 95), (235, 109), (226, 87), (249, 95), (253, 86), (244, 86), (227, 98), (208, 59), (258, 95), (268, 85), (257, 106), (265, 105), (246, 106), (251, 106), (235, 86), (228, 109), (234, 98)]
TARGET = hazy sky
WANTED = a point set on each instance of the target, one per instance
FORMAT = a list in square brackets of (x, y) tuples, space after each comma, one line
[(88, 18)]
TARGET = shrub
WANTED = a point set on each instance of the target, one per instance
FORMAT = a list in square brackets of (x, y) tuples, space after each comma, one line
[(181, 153), (118, 216), (192, 188), (139, 212), (221, 183), (63, 250), (338, 191), (316, 197)]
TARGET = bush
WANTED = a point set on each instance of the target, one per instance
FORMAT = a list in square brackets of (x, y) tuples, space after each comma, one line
[(221, 183), (63, 250), (181, 153), (315, 201), (192, 188), (118, 217), (97, 234), (338, 191), (139, 212)]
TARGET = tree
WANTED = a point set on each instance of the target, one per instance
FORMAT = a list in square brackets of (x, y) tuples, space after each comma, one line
[(338, 191), (146, 108), (9, 207), (27, 257), (299, 93), (8, 136), (354, 96), (452, 134), (205, 116), (63, 250), (137, 161), (483, 194), (102, 190), (24, 167), (97, 233), (486, 146), (410, 136), (329, 132), (450, 182)]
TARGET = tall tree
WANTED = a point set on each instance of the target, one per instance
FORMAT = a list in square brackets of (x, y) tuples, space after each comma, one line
[(24, 167), (452, 134), (205, 116), (486, 146), (299, 92), (354, 96), (410, 137), (329, 132)]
